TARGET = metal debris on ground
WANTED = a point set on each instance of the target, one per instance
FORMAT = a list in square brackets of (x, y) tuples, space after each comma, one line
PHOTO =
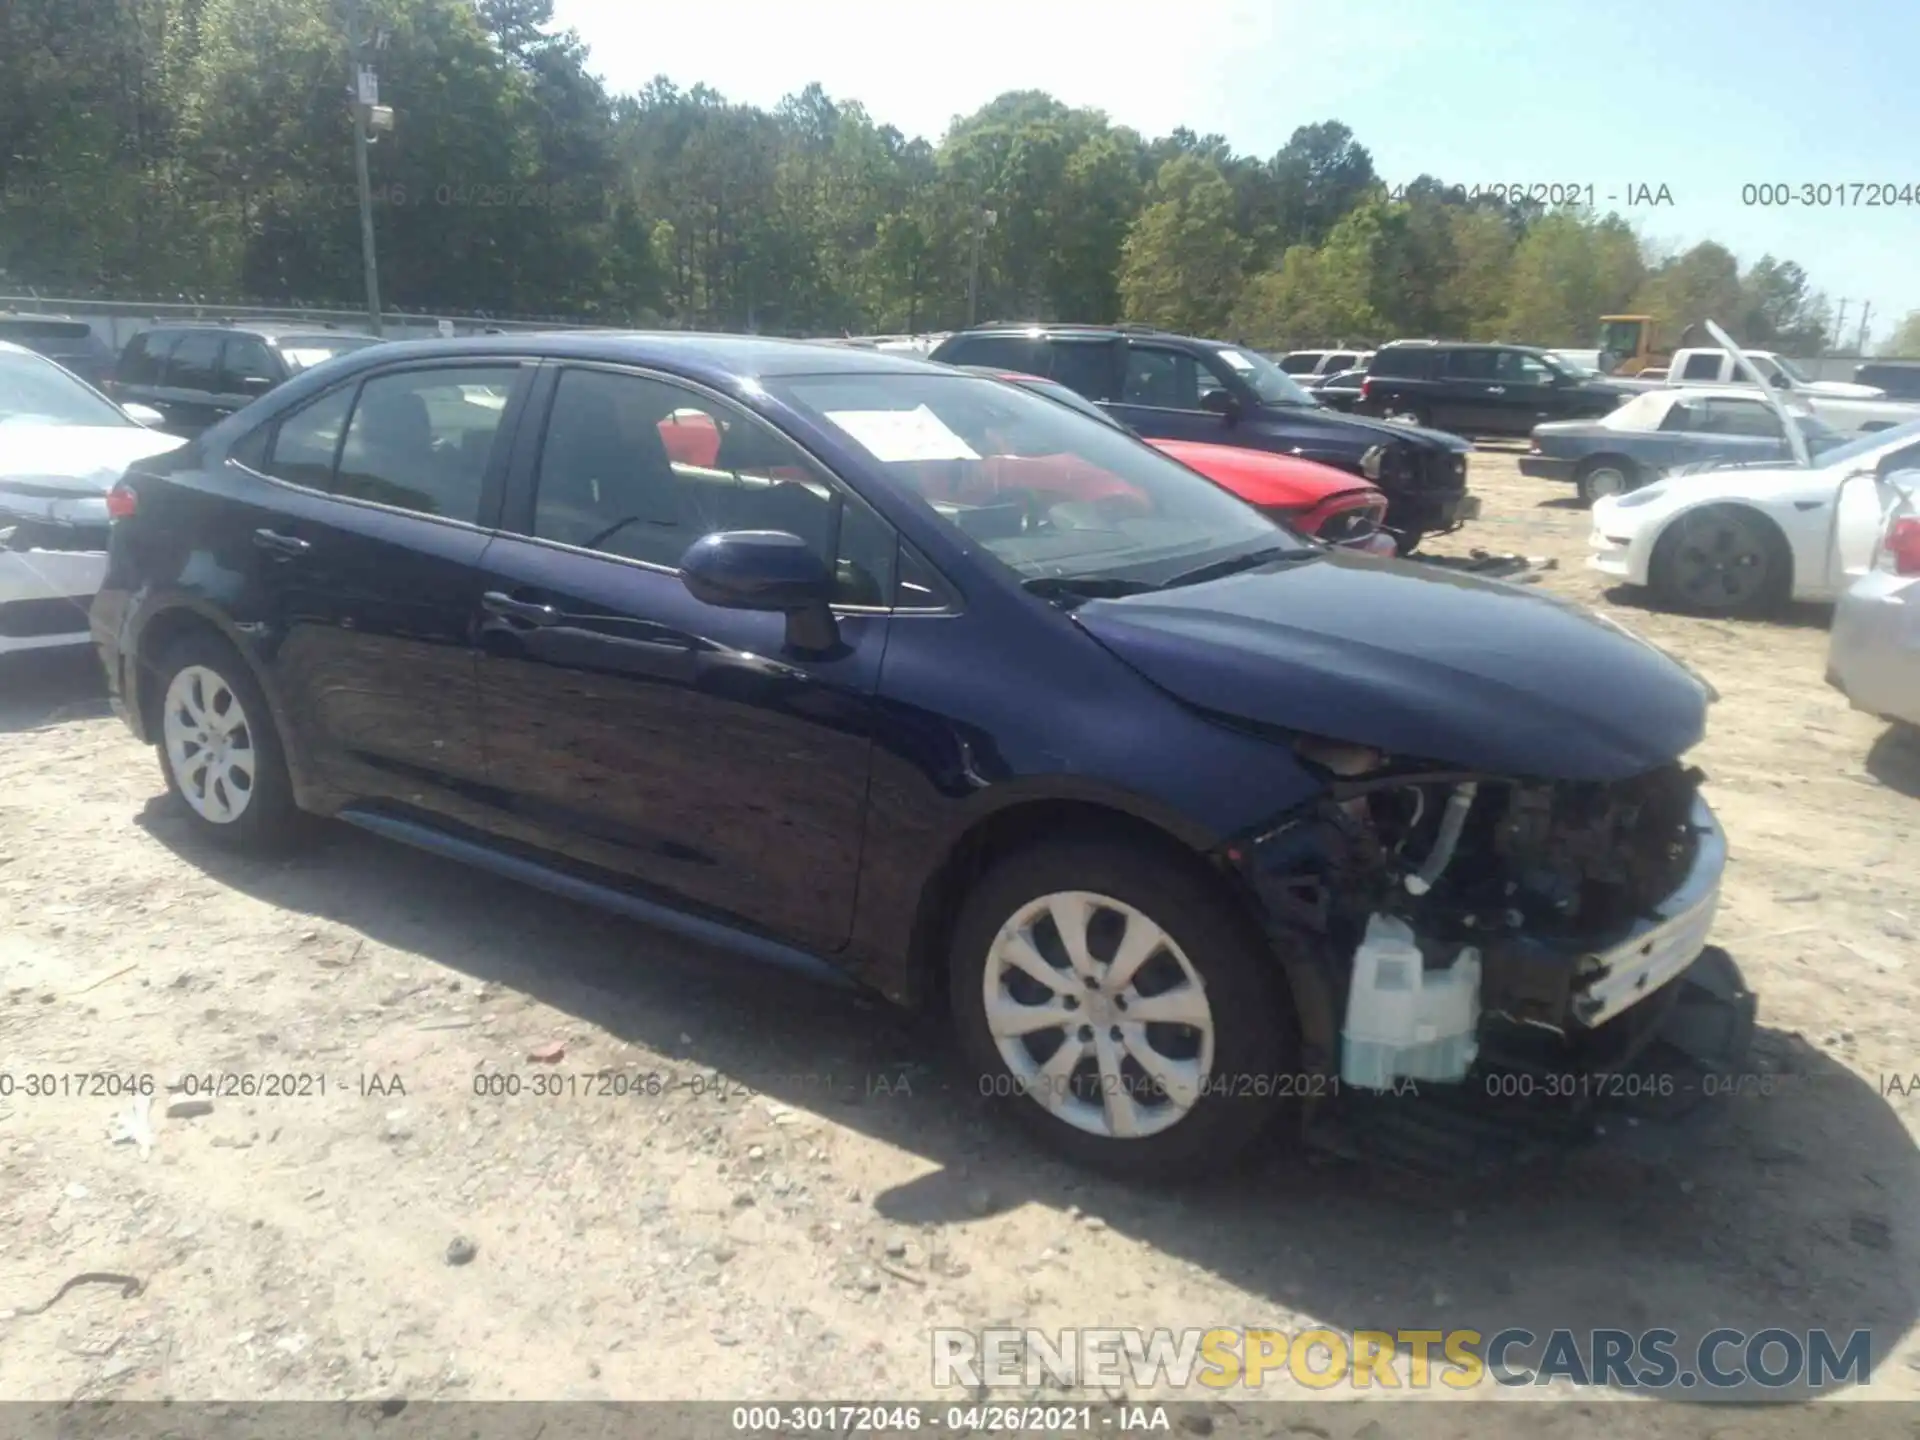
[(1525, 569), (134, 1125)]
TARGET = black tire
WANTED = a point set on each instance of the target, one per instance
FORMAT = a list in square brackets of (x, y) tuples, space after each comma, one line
[(1254, 1031), (1415, 415), (1600, 475), (1755, 578), (268, 820)]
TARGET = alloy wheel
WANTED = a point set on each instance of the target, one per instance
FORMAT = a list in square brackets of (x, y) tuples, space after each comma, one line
[(1721, 562), (209, 744), (1098, 1015)]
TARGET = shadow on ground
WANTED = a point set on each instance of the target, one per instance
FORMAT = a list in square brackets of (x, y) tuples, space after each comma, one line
[(48, 687), (1797, 615), (1776, 1204), (1894, 759)]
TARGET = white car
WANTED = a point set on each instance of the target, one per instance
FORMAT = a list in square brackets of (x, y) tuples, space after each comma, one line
[(1873, 655), (62, 446), (1744, 539)]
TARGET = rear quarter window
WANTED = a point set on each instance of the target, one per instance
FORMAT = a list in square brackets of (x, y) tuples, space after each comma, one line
[(1402, 364), (1006, 352)]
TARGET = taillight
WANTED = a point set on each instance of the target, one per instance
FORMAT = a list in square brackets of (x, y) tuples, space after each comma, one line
[(1366, 389), (122, 501), (1901, 549)]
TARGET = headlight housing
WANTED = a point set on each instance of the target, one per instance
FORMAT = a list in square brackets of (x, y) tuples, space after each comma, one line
[(1646, 495)]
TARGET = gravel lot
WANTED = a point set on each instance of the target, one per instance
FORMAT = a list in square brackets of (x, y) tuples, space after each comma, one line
[(813, 1192)]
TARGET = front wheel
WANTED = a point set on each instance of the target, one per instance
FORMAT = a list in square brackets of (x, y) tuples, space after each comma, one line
[(1113, 1001), (218, 747), (1722, 560)]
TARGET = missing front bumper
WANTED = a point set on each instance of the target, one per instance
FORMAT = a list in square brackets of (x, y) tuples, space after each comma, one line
[(1529, 1096)]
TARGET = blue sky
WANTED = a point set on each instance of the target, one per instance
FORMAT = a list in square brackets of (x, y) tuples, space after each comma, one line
[(1702, 96)]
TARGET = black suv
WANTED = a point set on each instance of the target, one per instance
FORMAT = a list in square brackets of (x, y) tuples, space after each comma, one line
[(1483, 389), (1174, 387), (198, 374), (1899, 378)]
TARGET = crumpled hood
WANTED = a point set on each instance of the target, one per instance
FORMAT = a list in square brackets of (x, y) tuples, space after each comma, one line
[(74, 459), (1416, 661)]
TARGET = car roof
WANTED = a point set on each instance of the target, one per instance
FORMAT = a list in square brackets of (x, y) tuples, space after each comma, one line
[(1465, 345), (703, 356), (266, 330), (1053, 328)]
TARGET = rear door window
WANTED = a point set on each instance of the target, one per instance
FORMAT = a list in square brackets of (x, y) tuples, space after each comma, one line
[(1163, 379), (304, 448), (1743, 417), (1702, 367), (1025, 353), (421, 440), (1474, 365), (195, 363)]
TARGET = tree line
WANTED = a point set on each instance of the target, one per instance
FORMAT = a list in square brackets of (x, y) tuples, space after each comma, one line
[(203, 148)]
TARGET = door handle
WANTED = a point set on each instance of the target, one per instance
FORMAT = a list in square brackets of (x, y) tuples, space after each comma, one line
[(527, 611), (281, 544), (1496, 389)]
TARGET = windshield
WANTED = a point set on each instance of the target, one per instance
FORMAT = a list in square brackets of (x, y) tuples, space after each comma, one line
[(303, 352), (1868, 447), (1051, 493), (34, 391), (1272, 384), (1577, 368)]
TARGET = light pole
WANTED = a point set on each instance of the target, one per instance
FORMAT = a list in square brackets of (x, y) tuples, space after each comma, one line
[(364, 94)]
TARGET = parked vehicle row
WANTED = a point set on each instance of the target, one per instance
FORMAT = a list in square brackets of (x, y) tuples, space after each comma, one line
[(1176, 387), (1744, 540)]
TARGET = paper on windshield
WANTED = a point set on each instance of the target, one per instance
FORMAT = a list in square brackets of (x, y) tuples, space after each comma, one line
[(303, 359), (894, 436), (1235, 359)]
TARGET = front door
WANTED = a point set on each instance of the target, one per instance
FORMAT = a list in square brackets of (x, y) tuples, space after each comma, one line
[(1522, 392), (1163, 395), (682, 747)]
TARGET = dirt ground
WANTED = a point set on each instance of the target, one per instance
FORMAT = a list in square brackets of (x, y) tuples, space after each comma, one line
[(809, 1191)]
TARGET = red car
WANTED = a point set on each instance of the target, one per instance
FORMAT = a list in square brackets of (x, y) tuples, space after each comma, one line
[(1307, 496)]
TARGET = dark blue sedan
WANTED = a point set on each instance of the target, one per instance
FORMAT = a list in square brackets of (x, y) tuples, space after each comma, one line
[(1665, 430), (834, 656)]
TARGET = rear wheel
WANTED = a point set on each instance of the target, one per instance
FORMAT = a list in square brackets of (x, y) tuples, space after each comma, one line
[(1722, 560), (1114, 1003), (1412, 415), (218, 747), (1605, 475)]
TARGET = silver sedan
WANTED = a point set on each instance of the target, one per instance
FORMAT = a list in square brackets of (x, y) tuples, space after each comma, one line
[(1873, 654)]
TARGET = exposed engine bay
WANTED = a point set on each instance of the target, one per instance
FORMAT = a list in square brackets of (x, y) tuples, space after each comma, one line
[(1457, 906)]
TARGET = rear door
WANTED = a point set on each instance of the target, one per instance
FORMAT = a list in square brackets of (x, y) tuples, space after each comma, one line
[(1523, 393), (1469, 397), (366, 553), (683, 748), (189, 382)]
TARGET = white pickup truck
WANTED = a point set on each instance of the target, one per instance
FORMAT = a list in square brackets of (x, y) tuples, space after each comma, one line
[(1849, 408)]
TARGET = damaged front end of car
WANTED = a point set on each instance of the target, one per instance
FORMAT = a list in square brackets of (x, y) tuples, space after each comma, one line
[(1475, 954)]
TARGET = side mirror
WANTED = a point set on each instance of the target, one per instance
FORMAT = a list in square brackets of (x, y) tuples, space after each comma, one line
[(768, 570), (1781, 382), (1219, 402), (143, 414)]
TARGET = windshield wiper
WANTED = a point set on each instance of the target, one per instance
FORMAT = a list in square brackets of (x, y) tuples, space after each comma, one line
[(1085, 587), (1219, 569)]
